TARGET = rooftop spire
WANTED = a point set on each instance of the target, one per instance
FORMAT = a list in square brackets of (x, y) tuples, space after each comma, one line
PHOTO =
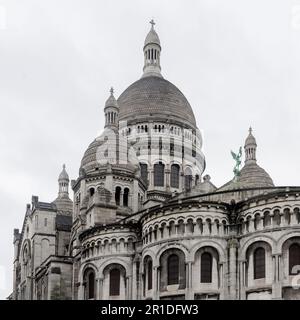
[(250, 148), (111, 110), (152, 51), (152, 23), (63, 183)]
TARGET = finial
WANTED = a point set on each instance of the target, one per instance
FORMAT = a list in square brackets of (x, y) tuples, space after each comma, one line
[(250, 130), (152, 23), (111, 91), (64, 167)]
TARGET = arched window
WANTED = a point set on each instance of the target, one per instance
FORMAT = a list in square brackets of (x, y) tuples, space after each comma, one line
[(92, 191), (259, 260), (173, 269), (118, 195), (294, 258), (206, 267), (125, 197), (188, 178), (159, 174), (89, 279), (114, 282), (149, 274), (144, 172), (175, 175)]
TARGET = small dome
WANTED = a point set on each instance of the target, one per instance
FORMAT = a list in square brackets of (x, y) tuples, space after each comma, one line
[(63, 175), (111, 101), (250, 140), (109, 150), (154, 97), (152, 37), (253, 176)]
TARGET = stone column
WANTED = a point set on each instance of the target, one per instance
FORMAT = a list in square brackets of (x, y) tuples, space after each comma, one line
[(129, 284), (80, 291), (293, 218), (221, 284), (99, 295), (151, 180), (157, 283), (242, 279), (276, 285), (251, 225), (205, 228), (214, 230), (121, 198), (134, 281), (232, 246), (189, 281), (134, 196)]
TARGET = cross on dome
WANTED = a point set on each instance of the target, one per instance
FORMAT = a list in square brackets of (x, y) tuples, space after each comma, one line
[(152, 23)]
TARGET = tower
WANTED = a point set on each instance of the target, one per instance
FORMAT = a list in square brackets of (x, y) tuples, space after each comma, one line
[(63, 203), (63, 183), (250, 148), (111, 111), (152, 51)]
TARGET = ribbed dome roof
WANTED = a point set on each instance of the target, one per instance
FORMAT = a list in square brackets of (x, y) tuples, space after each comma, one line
[(252, 176), (111, 101), (106, 149), (156, 97), (250, 140), (63, 175), (152, 37)]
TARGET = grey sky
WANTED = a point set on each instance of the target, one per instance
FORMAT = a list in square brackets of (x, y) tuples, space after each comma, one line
[(237, 62)]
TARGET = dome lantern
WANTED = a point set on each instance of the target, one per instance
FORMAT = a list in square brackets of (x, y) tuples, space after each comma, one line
[(152, 51), (111, 111), (63, 183), (250, 148)]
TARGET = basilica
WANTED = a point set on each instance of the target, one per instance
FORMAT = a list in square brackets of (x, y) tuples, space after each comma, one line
[(146, 222)]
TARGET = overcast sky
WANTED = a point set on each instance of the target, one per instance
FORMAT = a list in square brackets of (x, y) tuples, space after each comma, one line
[(237, 62)]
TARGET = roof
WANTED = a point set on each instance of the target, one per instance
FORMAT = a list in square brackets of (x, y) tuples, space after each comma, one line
[(45, 206), (251, 176), (152, 37), (63, 175), (153, 96)]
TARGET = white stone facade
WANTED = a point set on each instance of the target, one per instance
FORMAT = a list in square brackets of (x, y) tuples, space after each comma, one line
[(145, 224)]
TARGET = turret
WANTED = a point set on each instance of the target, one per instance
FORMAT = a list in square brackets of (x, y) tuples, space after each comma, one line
[(250, 148), (111, 111), (63, 183), (152, 51)]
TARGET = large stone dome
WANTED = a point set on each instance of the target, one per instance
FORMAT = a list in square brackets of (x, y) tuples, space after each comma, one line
[(154, 98)]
